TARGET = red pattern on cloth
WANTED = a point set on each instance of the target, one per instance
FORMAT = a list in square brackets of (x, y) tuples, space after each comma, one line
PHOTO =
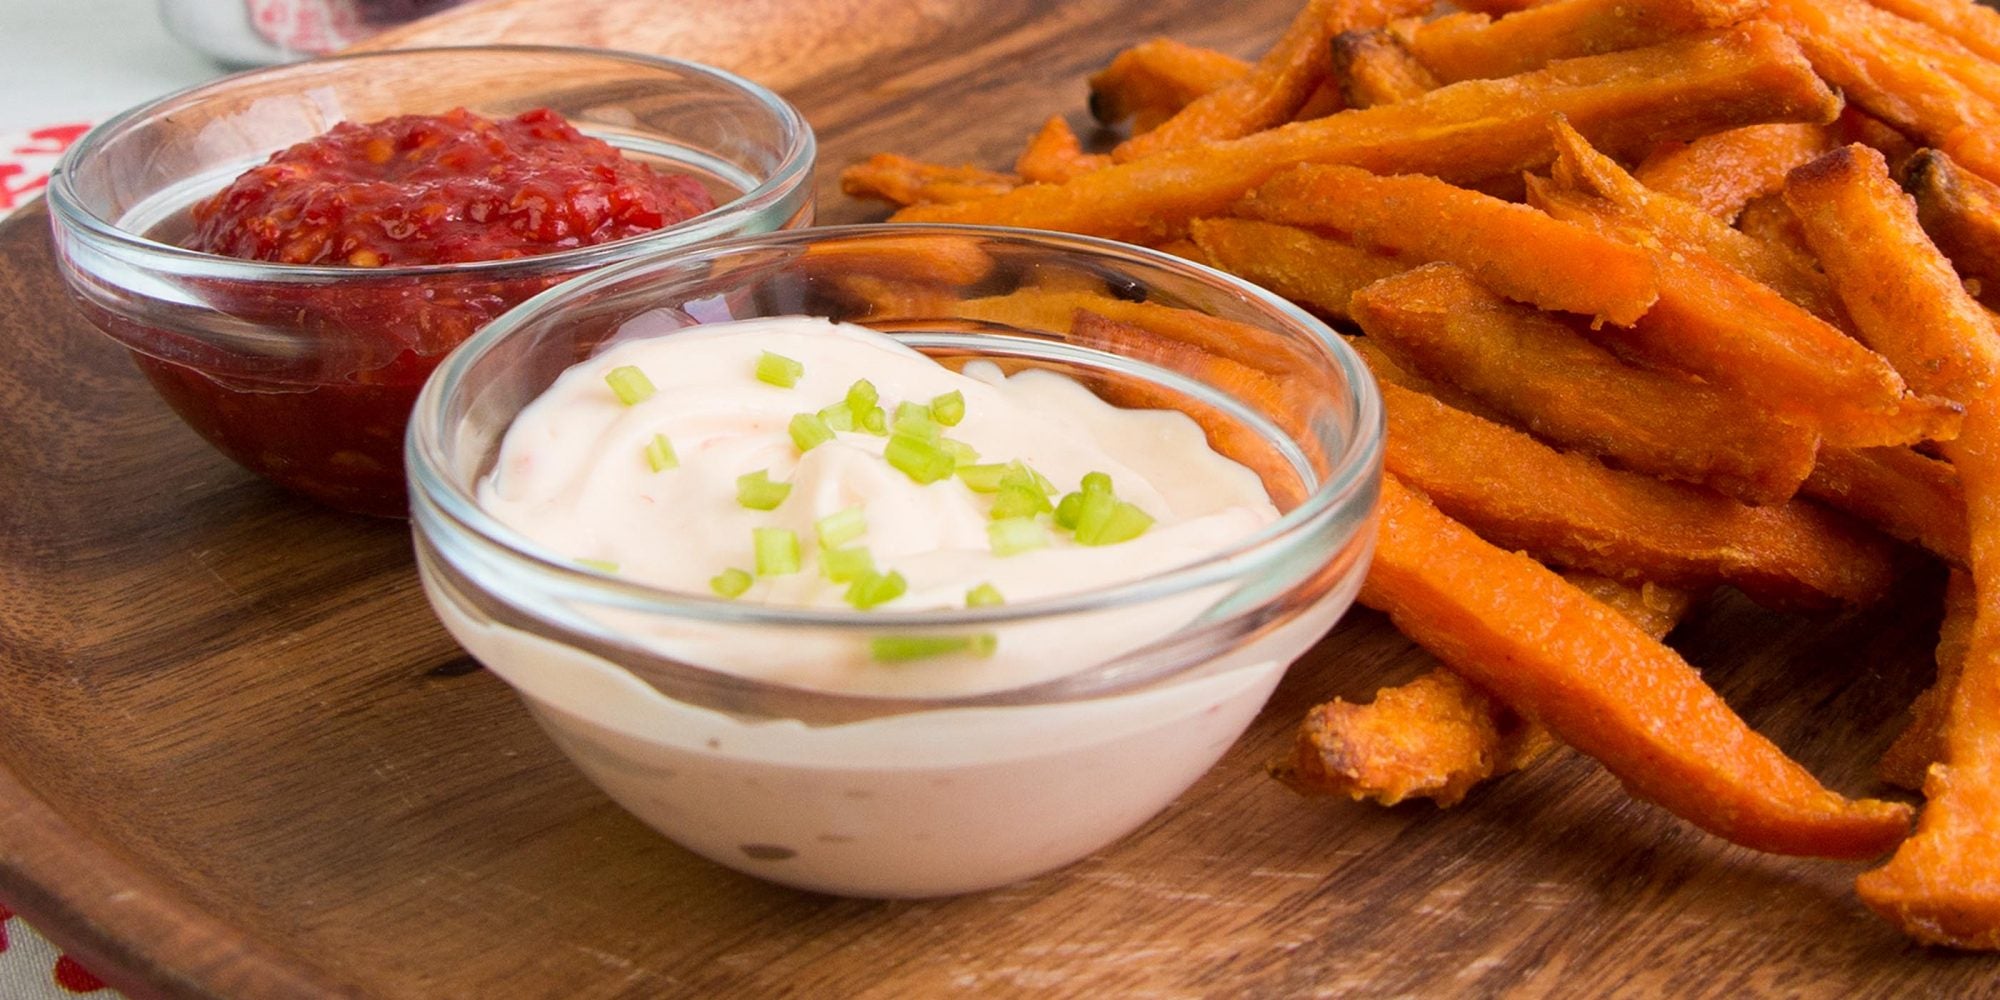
[(31, 968), (75, 978), (26, 157)]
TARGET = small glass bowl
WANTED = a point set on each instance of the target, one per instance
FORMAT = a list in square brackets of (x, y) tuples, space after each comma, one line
[(912, 796), (306, 374)]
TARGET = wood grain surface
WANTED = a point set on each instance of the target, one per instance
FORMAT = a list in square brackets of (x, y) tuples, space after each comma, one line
[(238, 757)]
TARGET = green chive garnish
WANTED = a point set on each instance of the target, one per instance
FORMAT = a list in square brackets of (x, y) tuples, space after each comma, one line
[(840, 527), (756, 491), (875, 589), (631, 385), (809, 431), (778, 370), (874, 421), (915, 421), (776, 550), (838, 416), (1022, 474), (982, 478), (1015, 535), (949, 408), (1015, 500), (730, 583), (1124, 523), (923, 461), (985, 595), (961, 453), (660, 454), (1096, 482), (1068, 509), (1093, 512), (600, 565), (861, 396), (904, 648), (846, 565)]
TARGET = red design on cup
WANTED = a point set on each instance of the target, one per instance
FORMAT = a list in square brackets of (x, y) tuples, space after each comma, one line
[(75, 978), (310, 26)]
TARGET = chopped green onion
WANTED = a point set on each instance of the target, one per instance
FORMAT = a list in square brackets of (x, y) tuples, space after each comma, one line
[(982, 478), (837, 416), (923, 461), (600, 565), (905, 648), (861, 396), (809, 431), (1093, 512), (915, 421), (1021, 473), (730, 583), (874, 421), (962, 453), (776, 550), (756, 491), (1124, 523), (778, 370), (876, 588), (631, 385), (1096, 482), (985, 595), (846, 565), (660, 454), (1015, 535), (1068, 509), (949, 408), (840, 527), (1014, 500)]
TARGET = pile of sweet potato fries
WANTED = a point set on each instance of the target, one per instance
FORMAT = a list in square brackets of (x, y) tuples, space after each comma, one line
[(1663, 295)]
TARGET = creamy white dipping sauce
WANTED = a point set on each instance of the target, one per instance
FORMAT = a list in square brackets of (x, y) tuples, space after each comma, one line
[(574, 477)]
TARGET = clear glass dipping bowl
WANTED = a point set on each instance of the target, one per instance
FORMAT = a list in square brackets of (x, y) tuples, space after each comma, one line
[(306, 374), (917, 796)]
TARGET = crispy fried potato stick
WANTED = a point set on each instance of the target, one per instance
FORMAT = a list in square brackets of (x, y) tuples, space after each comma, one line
[(1372, 67), (1906, 300), (1902, 72), (1438, 736), (1473, 46), (1720, 173), (1152, 80), (1553, 653), (1055, 155), (1580, 168), (1943, 884), (1551, 379), (901, 181), (1276, 87), (1769, 221), (1513, 249), (1054, 309), (1921, 742), (1973, 25), (1480, 129), (1306, 268), (1740, 335), (1906, 494), (1571, 510), (1961, 212)]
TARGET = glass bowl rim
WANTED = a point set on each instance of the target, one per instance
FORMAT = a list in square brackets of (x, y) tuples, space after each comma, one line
[(433, 491), (794, 168)]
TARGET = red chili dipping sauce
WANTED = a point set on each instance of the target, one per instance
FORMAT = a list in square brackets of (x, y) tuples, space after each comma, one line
[(327, 420)]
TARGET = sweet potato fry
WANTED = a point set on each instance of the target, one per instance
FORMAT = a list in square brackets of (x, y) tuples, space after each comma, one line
[(1276, 87), (901, 181), (1921, 742), (1571, 510), (1624, 102), (1906, 301), (1309, 269), (1513, 249), (1905, 494), (1496, 8), (1373, 67), (1324, 100), (1053, 309), (1055, 155), (1961, 212), (1513, 627), (1720, 173), (1471, 46), (1971, 24), (1578, 167), (1740, 335), (1152, 80), (1769, 221), (1437, 736), (1902, 72), (1943, 884), (1546, 376)]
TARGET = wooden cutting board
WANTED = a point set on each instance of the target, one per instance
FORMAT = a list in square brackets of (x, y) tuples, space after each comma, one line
[(238, 758)]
